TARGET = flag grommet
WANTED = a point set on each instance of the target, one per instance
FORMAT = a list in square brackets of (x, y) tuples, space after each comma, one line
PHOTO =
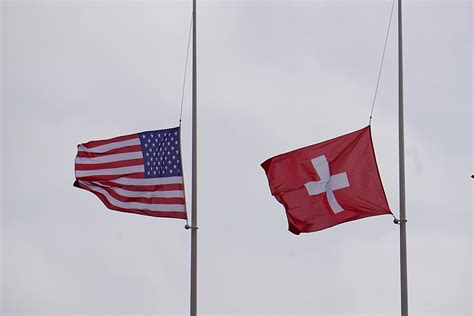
[(397, 221), (187, 226)]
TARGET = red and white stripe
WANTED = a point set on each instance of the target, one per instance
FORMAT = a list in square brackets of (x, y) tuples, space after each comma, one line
[(113, 170)]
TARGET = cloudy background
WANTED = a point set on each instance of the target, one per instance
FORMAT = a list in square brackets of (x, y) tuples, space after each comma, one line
[(273, 76)]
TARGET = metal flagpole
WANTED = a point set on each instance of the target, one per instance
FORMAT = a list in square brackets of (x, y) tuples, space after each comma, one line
[(401, 154), (193, 309)]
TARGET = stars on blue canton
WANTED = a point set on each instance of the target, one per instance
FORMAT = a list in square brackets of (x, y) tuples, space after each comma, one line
[(161, 153)]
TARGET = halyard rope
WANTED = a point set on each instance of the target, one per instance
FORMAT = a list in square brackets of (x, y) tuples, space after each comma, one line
[(381, 62)]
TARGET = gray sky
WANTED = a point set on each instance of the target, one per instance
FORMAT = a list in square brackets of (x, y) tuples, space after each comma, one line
[(273, 76)]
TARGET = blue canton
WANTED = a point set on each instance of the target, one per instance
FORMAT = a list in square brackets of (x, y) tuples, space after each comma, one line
[(161, 153)]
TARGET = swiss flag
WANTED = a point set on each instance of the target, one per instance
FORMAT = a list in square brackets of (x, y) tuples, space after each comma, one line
[(329, 183)]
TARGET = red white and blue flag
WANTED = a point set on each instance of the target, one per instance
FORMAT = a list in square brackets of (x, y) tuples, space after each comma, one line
[(138, 173)]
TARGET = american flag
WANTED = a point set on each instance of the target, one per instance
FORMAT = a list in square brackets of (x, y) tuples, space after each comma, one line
[(138, 173)]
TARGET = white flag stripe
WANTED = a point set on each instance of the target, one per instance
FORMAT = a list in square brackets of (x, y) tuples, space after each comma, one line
[(107, 147), (135, 205), (146, 194), (110, 158), (111, 171), (148, 181)]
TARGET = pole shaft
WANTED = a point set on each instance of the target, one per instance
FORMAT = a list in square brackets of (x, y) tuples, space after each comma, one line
[(193, 309), (401, 153)]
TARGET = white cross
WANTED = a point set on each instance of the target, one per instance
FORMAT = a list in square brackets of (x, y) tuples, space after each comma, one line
[(327, 183)]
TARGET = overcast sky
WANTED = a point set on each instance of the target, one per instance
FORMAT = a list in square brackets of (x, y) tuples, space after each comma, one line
[(273, 76)]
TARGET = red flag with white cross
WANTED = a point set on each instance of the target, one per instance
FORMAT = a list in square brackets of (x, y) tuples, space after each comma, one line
[(329, 183)]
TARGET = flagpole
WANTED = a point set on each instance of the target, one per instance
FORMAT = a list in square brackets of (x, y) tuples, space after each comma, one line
[(401, 152), (193, 308)]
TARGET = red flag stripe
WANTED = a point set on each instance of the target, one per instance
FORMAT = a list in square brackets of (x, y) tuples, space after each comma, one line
[(98, 178), (177, 190), (145, 197), (115, 140), (140, 188), (106, 172), (109, 165), (126, 149), (129, 180), (133, 179), (109, 158), (137, 193)]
